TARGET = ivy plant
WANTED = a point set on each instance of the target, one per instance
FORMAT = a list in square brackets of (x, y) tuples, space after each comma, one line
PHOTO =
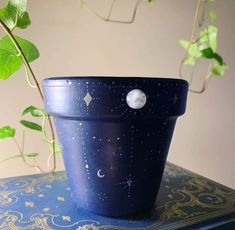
[(203, 44), (14, 15), (16, 52)]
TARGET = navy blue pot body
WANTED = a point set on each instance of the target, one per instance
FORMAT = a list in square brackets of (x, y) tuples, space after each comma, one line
[(114, 146)]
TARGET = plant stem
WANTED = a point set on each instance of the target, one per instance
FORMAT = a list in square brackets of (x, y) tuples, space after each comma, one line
[(26, 63), (195, 19), (192, 72), (10, 158), (23, 157), (111, 9), (205, 82), (44, 131), (29, 69), (110, 12), (28, 79)]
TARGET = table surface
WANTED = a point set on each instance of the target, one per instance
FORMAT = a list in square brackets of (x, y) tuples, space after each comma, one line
[(185, 199)]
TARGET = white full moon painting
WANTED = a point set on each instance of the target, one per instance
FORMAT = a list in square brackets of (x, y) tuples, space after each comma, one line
[(136, 99)]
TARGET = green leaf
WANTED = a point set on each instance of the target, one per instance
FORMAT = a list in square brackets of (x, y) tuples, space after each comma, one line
[(28, 109), (193, 49), (31, 125), (35, 112), (10, 60), (212, 37), (6, 132), (210, 54), (29, 49), (203, 46), (24, 21), (31, 154), (208, 37), (9, 64), (218, 58), (204, 36), (219, 70), (184, 43), (189, 61), (38, 113), (212, 16), (14, 14)]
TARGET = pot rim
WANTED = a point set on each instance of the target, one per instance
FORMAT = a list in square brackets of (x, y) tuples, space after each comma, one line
[(64, 80)]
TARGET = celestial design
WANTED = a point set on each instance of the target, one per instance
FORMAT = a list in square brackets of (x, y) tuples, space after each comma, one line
[(29, 190), (118, 144), (84, 150), (100, 174), (29, 204), (66, 218), (46, 209), (102, 196), (136, 99), (87, 98), (88, 227), (60, 198), (129, 182)]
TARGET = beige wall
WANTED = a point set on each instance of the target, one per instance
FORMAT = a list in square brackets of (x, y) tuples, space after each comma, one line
[(72, 42)]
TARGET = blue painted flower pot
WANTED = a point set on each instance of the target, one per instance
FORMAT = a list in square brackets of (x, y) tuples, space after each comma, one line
[(114, 135)]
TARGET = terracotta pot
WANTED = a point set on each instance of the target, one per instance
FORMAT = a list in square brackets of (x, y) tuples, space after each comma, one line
[(114, 134)]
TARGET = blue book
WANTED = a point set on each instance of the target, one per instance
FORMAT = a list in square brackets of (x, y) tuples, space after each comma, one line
[(185, 201)]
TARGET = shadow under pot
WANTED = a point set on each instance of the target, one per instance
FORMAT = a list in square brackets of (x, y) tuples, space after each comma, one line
[(114, 134)]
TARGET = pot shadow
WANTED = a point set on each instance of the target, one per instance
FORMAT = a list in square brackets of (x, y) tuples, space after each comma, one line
[(150, 215)]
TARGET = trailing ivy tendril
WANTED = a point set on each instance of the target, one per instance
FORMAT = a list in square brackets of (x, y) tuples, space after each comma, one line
[(14, 53), (203, 45)]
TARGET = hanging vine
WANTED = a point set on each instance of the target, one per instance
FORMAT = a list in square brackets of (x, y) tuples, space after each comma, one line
[(14, 53)]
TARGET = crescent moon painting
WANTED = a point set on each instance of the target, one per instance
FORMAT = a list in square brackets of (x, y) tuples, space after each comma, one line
[(136, 99), (100, 174)]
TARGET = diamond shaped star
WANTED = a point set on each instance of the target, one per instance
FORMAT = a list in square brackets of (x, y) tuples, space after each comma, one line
[(87, 98)]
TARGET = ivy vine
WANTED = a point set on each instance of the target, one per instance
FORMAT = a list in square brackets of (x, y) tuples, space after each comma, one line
[(16, 52), (203, 44)]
